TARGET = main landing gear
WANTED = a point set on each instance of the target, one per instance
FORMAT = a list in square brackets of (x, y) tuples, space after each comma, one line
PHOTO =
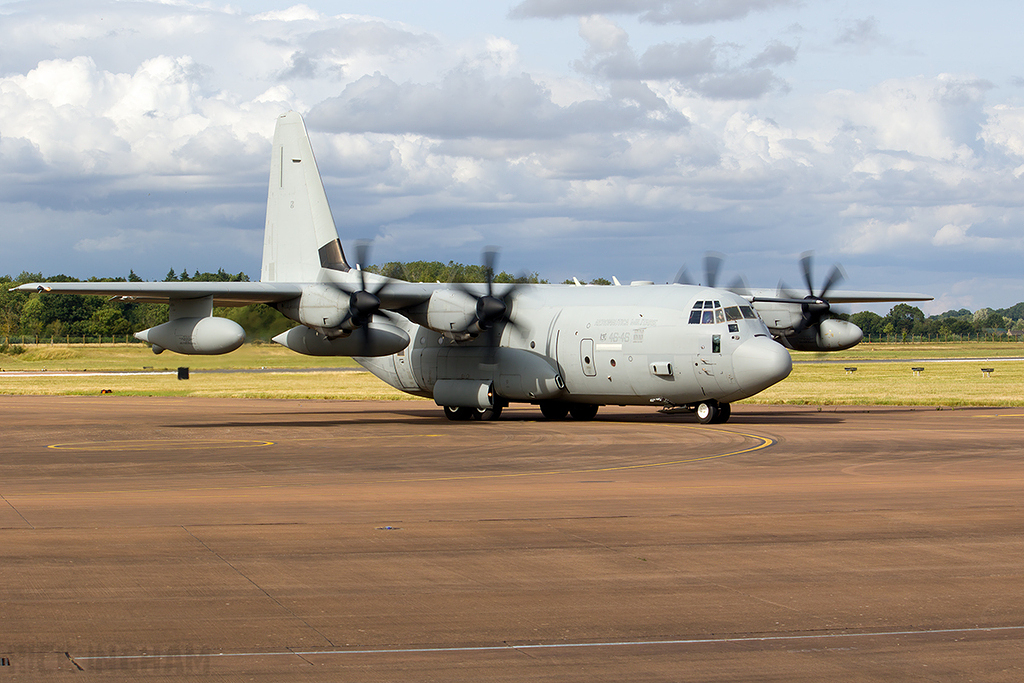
[(712, 412), (552, 410), (557, 410), (463, 414)]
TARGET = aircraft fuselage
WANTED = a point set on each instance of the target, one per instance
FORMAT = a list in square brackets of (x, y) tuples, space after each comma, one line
[(601, 345)]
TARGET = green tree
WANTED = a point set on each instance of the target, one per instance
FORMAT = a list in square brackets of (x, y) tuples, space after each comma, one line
[(108, 322), (903, 317), (993, 321), (870, 323)]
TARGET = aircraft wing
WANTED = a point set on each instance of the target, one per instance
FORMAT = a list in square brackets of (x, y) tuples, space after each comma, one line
[(223, 293), (396, 295), (839, 296), (849, 297)]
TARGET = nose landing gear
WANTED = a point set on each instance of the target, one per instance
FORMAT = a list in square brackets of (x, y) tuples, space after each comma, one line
[(713, 412)]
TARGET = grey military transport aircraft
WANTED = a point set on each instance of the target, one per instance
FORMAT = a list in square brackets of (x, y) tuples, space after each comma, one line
[(475, 348)]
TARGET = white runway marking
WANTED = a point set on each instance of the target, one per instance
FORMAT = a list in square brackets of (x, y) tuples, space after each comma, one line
[(561, 646)]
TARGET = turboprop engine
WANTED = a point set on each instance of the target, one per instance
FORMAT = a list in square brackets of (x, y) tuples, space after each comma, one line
[(451, 310), (830, 334), (195, 336), (372, 339), (321, 307)]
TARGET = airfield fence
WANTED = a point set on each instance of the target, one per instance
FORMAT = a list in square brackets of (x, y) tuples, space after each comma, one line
[(25, 340)]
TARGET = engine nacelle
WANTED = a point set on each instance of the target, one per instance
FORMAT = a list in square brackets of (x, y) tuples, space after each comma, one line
[(320, 307), (836, 335), (450, 310), (830, 335), (376, 339), (195, 336)]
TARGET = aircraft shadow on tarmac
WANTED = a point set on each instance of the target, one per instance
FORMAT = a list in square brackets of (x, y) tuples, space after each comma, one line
[(410, 417)]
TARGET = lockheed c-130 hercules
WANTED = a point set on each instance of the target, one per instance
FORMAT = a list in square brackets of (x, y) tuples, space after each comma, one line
[(475, 348)]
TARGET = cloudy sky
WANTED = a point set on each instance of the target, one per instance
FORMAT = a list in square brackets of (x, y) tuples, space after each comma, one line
[(586, 137)]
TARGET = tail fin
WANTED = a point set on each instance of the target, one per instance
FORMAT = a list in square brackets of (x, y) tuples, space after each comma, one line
[(300, 236)]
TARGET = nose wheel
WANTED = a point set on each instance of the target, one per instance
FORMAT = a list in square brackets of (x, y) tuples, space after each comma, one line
[(713, 412)]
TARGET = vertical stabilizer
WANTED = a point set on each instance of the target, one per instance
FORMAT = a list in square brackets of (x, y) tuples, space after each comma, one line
[(300, 236)]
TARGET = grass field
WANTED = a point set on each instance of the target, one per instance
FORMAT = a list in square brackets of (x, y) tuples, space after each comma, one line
[(816, 379)]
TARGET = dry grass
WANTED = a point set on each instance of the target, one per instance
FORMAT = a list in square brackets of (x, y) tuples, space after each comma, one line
[(812, 382), (940, 384), (136, 357), (350, 385), (879, 351)]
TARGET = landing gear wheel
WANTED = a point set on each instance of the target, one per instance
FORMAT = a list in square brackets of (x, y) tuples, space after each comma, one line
[(724, 411), (458, 413), (583, 411), (707, 412), (554, 410), (487, 414)]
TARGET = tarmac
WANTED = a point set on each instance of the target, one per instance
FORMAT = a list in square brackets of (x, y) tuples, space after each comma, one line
[(196, 539)]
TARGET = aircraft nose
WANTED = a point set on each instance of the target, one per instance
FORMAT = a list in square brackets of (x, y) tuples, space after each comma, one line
[(759, 363)]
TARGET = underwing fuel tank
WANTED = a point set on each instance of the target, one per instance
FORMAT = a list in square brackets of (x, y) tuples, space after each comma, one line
[(375, 339), (195, 336)]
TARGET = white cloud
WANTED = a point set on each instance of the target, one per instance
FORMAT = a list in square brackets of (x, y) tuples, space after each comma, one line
[(654, 11), (144, 137)]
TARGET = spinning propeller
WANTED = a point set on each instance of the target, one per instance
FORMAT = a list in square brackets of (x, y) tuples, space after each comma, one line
[(712, 265), (363, 303), (492, 308), (815, 307)]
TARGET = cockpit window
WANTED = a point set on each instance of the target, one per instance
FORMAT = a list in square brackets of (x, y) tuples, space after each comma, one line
[(711, 312)]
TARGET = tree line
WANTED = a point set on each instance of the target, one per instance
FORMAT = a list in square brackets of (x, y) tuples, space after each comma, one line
[(46, 315), (905, 321)]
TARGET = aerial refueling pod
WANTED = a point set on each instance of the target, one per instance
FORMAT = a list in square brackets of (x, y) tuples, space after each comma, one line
[(373, 339), (195, 336)]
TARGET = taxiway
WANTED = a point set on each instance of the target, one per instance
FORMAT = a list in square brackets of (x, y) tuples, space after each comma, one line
[(270, 540)]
